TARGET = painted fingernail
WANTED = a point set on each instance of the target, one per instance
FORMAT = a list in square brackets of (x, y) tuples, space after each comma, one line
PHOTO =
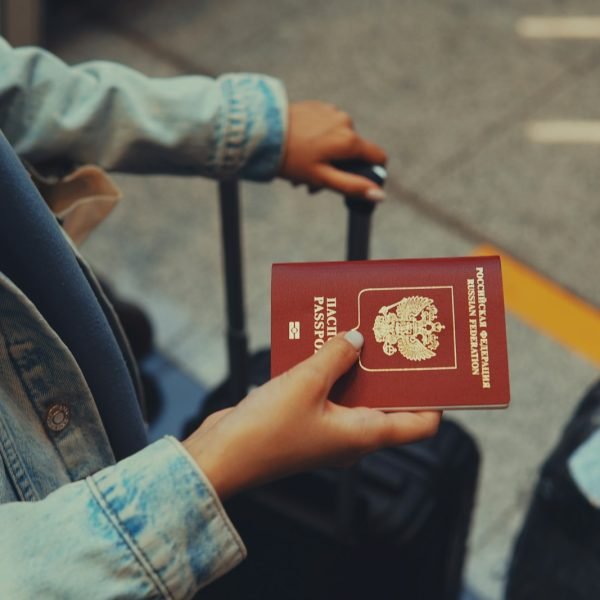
[(355, 338), (375, 194)]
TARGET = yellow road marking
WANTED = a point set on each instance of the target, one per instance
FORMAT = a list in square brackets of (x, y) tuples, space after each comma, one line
[(548, 307)]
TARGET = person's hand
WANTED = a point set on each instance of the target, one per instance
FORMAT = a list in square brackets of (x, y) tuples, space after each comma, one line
[(289, 425), (319, 133)]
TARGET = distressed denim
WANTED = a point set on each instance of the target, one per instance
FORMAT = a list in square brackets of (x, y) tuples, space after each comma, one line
[(149, 526), (110, 115), (73, 523)]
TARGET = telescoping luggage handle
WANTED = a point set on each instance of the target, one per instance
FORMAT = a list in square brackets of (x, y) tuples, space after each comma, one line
[(237, 338), (360, 212)]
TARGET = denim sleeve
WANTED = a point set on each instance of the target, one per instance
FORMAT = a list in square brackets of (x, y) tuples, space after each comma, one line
[(150, 526), (110, 115), (584, 466)]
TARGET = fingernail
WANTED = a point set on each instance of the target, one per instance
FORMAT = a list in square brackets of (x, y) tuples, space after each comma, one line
[(355, 338), (375, 194)]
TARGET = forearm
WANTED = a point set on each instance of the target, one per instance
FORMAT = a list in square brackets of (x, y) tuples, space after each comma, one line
[(108, 114), (148, 527)]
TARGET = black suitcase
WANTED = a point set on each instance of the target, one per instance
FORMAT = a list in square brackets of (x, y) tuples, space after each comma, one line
[(393, 526)]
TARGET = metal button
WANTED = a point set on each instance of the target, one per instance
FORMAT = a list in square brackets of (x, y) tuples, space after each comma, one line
[(58, 417)]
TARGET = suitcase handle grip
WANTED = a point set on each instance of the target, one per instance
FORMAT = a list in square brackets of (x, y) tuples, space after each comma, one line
[(360, 210)]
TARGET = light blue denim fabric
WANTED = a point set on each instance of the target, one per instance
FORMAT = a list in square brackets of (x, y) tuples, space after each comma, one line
[(73, 524), (107, 114), (150, 526), (584, 466)]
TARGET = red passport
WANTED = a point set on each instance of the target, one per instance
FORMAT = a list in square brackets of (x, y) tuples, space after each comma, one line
[(434, 329)]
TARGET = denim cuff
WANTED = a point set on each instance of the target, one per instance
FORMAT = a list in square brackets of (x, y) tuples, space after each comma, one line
[(252, 133), (170, 518)]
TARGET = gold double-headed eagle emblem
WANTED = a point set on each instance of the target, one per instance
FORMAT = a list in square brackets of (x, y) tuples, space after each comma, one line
[(411, 329)]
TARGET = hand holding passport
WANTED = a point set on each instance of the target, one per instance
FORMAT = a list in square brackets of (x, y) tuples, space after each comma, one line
[(289, 425), (434, 338), (434, 329)]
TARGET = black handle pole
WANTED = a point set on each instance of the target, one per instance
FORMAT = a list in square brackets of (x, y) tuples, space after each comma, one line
[(359, 227), (237, 340), (360, 212)]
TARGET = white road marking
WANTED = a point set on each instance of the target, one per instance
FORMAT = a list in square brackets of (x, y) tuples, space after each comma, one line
[(564, 131), (566, 28)]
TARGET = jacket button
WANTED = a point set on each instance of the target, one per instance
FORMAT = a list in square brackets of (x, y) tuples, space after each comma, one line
[(58, 417)]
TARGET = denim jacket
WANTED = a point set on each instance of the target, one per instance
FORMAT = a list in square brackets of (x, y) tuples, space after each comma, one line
[(73, 523)]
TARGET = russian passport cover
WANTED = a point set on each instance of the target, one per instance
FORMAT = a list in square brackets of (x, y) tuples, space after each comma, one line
[(434, 329)]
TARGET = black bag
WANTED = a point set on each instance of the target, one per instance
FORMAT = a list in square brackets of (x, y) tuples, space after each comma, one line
[(557, 552), (393, 526)]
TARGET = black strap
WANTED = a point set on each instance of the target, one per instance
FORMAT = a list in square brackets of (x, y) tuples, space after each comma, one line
[(36, 257)]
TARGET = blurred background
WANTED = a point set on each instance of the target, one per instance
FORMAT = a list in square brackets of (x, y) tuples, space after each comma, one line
[(490, 115)]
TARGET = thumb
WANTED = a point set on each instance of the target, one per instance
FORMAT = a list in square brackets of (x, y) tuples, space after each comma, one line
[(336, 356)]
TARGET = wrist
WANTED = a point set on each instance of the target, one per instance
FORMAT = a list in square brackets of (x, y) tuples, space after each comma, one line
[(209, 465), (222, 467)]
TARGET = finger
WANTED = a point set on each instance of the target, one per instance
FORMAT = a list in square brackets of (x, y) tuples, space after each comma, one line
[(334, 358), (361, 149), (373, 153), (370, 429), (348, 184), (405, 427), (345, 119), (327, 105)]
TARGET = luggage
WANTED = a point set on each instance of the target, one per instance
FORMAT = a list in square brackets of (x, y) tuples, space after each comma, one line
[(556, 555), (393, 526)]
